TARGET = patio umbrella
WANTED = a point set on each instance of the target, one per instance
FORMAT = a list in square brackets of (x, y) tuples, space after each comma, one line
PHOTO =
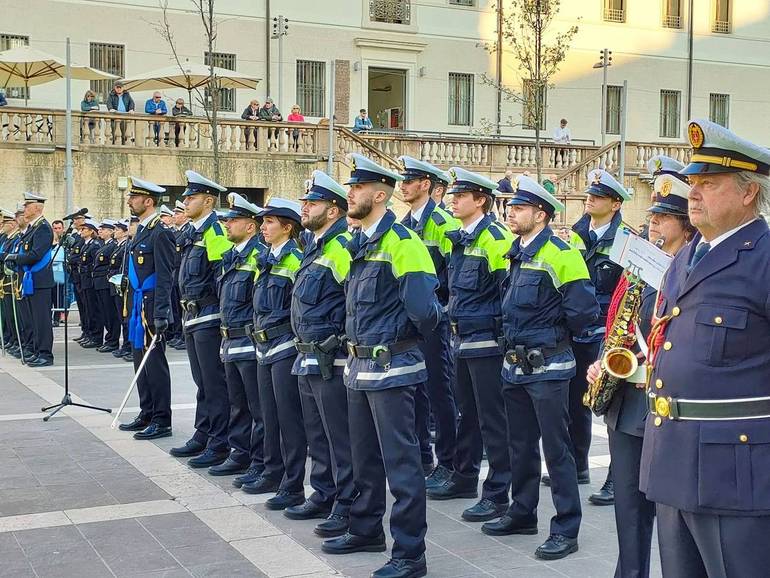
[(189, 77), (25, 66)]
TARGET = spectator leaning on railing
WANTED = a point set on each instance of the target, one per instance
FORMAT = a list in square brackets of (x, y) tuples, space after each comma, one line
[(251, 113), (157, 107), (179, 109), (295, 116), (363, 122), (3, 102), (119, 100), (88, 104), (270, 113)]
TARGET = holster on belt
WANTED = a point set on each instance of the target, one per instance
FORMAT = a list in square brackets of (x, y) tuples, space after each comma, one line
[(325, 353)]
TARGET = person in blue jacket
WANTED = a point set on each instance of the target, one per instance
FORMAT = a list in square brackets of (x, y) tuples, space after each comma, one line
[(156, 106), (548, 298), (285, 440), (706, 451), (318, 319), (391, 304)]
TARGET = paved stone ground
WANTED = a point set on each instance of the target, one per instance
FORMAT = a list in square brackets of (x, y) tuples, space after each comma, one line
[(78, 498)]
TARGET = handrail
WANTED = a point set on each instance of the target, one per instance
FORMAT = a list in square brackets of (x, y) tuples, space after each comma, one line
[(372, 149), (585, 162)]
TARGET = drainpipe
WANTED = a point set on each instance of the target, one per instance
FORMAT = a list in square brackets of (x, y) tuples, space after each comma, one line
[(689, 59), (268, 34), (499, 66)]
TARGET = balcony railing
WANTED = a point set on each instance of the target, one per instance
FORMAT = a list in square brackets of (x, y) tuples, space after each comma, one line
[(720, 26), (672, 21), (614, 15), (390, 11)]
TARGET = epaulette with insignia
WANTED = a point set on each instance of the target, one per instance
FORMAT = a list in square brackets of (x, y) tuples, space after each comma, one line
[(217, 228), (561, 245), (438, 218), (494, 230), (402, 231), (342, 240)]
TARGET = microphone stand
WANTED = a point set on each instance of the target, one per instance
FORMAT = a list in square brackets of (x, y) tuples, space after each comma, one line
[(67, 399)]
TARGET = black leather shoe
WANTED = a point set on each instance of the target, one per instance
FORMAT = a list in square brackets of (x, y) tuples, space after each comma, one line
[(507, 526), (402, 568), (308, 510), (251, 475), (452, 489), (605, 496), (229, 468), (438, 477), (583, 478), (189, 449), (91, 344), (348, 543), (208, 458), (556, 547), (129, 357), (153, 432), (427, 469), (137, 425), (107, 348), (40, 362), (181, 346), (484, 510), (335, 525), (261, 485), (120, 352), (284, 499)]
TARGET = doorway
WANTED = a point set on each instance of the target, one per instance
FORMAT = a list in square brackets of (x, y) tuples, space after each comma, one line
[(387, 98)]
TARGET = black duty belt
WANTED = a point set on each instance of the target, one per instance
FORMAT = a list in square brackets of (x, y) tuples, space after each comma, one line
[(306, 347), (513, 358), (263, 335), (376, 352), (469, 326), (695, 409), (235, 332), (195, 305)]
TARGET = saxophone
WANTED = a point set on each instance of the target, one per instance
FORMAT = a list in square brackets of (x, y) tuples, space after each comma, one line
[(618, 361)]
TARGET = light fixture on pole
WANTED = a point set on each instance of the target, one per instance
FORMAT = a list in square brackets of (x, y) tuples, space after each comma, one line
[(280, 29), (605, 61)]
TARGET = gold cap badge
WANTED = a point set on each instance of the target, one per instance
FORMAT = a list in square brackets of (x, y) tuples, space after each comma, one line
[(695, 132), (665, 190)]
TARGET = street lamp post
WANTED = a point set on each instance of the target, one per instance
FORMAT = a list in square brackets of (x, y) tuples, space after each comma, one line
[(280, 29)]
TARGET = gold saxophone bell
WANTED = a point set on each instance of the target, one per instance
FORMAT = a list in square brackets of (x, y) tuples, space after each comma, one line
[(620, 363)]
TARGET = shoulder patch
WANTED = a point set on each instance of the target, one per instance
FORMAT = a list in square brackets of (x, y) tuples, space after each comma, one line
[(496, 233), (561, 245), (154, 222), (438, 218), (217, 228), (343, 240), (402, 231)]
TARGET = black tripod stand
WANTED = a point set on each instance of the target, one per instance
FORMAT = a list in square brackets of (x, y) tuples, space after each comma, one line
[(67, 399)]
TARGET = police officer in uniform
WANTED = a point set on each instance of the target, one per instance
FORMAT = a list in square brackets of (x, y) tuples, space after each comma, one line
[(33, 264), (634, 514), (390, 302), (705, 452), (93, 313), (151, 254), (593, 236), (235, 286), (318, 320), (10, 285), (181, 228), (100, 275), (7, 235), (116, 273), (548, 297), (477, 270), (431, 223), (202, 249)]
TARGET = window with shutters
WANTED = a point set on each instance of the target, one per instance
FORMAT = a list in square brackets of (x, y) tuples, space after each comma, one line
[(614, 10), (669, 113), (226, 95), (672, 13), (460, 99), (390, 11), (530, 110), (719, 109), (311, 87), (8, 41), (462, 2), (107, 58), (614, 104), (721, 21)]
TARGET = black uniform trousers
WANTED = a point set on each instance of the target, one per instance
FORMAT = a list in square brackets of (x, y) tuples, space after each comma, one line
[(438, 397), (579, 414), (387, 416), (325, 412), (634, 514), (271, 445), (81, 308), (712, 546), (9, 331), (175, 331), (483, 423), (285, 422), (26, 324), (154, 385), (539, 410), (39, 304), (109, 315), (123, 319), (94, 315), (246, 430), (212, 411)]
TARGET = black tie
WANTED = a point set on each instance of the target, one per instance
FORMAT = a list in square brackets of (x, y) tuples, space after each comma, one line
[(412, 223), (700, 252), (592, 237)]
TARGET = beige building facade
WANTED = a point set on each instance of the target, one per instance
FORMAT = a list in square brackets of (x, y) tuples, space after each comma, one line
[(418, 66)]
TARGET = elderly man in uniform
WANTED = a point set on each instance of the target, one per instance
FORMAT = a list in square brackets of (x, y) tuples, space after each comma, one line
[(548, 298), (22, 347), (202, 249), (431, 223), (33, 262), (151, 252), (706, 452), (7, 236), (390, 302), (100, 275)]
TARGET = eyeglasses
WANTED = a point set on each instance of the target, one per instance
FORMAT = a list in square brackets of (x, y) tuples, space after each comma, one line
[(180, 103), (156, 97)]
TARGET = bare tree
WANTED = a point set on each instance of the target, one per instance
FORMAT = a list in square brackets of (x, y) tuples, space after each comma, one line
[(208, 101), (537, 53)]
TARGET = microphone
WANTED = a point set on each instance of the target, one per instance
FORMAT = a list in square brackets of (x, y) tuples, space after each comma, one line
[(79, 213)]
